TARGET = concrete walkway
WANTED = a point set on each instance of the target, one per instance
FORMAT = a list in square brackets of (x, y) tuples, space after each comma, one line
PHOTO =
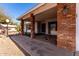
[(8, 48), (39, 48)]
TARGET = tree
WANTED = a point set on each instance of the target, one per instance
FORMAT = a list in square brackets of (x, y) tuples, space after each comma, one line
[(3, 17), (18, 28)]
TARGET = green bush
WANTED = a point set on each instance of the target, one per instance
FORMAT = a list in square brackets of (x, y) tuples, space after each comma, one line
[(27, 34)]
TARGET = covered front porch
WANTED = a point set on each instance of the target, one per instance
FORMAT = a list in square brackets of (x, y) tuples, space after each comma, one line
[(53, 23), (45, 26), (38, 48)]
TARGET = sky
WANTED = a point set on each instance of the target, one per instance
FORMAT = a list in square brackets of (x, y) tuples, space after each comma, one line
[(14, 10)]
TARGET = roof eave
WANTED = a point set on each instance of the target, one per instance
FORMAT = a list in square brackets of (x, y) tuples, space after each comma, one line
[(39, 5)]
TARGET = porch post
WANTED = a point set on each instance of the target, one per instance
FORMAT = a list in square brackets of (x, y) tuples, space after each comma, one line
[(22, 26), (66, 26), (32, 25)]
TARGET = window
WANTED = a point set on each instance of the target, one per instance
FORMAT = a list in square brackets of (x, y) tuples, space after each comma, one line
[(52, 27)]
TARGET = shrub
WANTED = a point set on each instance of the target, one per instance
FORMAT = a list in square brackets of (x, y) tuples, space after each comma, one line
[(27, 34)]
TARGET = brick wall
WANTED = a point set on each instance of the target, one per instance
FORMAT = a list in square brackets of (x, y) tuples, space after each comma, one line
[(66, 26)]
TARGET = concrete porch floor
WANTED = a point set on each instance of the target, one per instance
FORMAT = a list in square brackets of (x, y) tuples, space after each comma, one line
[(39, 48), (52, 38)]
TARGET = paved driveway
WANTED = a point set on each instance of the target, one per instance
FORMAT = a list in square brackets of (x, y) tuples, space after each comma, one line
[(8, 48), (39, 48)]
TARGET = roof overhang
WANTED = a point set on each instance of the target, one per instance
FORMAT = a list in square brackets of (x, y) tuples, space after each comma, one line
[(39, 5), (38, 9)]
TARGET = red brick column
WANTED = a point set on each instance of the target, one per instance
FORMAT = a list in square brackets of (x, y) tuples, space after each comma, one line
[(32, 25), (66, 26), (22, 27)]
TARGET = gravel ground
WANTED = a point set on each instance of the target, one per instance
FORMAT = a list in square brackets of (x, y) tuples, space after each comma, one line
[(8, 48)]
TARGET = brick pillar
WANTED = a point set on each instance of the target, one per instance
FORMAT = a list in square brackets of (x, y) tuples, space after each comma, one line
[(22, 27), (32, 25), (66, 26)]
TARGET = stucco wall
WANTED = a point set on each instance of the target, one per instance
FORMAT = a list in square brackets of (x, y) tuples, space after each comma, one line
[(77, 27), (24, 26), (35, 27)]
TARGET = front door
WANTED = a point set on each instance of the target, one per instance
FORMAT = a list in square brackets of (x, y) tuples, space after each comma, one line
[(43, 28)]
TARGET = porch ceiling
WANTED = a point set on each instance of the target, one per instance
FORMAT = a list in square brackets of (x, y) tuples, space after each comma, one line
[(46, 15)]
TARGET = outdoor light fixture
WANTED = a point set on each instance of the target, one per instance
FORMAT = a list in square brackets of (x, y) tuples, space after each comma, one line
[(7, 21), (65, 10)]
